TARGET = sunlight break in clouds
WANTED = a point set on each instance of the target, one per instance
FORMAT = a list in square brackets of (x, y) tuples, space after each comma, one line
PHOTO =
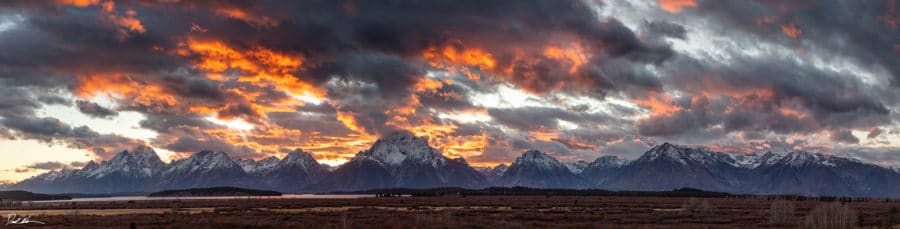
[(486, 81)]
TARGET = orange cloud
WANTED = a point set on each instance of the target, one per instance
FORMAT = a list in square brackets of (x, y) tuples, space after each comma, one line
[(142, 93), (791, 30), (241, 14), (574, 55), (472, 57), (79, 3), (676, 6), (658, 103), (126, 23), (259, 65)]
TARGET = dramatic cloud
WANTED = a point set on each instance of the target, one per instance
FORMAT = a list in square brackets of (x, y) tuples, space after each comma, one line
[(94, 109), (484, 80)]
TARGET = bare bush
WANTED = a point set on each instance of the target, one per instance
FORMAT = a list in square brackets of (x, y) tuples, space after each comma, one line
[(782, 213), (831, 215)]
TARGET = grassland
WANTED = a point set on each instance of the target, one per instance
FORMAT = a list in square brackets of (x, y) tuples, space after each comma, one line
[(455, 212)]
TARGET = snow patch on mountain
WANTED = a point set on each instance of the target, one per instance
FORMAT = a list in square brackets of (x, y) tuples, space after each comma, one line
[(204, 161), (539, 160), (142, 162), (577, 167), (397, 147), (608, 162), (259, 167), (299, 158)]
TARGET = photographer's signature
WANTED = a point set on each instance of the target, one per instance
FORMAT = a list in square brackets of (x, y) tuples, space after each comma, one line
[(14, 219)]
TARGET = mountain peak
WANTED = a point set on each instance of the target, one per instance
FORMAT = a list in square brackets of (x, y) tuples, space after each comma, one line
[(539, 159), (534, 154), (394, 148), (577, 167), (141, 154), (298, 154), (211, 159), (299, 158), (538, 169), (608, 162), (91, 165)]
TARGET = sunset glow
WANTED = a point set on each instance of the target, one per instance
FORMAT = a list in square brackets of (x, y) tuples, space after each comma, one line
[(481, 81)]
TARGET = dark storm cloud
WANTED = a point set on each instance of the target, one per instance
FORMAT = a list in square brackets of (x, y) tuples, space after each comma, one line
[(54, 100), (322, 124), (95, 110), (49, 165), (844, 136), (773, 94), (392, 75), (338, 41), (448, 96), (542, 118), (52, 130), (665, 29), (371, 59), (864, 31)]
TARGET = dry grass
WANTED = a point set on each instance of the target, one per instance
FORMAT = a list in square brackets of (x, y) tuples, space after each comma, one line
[(831, 216), (449, 212), (782, 213)]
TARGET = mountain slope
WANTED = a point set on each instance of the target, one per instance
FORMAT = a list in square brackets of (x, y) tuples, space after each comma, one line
[(816, 174), (601, 169), (668, 166), (206, 169), (294, 172), (539, 170), (401, 160), (127, 171)]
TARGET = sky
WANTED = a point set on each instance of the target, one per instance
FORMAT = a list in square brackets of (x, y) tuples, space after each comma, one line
[(486, 80)]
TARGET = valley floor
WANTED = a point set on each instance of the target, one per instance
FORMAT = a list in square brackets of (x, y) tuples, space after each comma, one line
[(445, 212)]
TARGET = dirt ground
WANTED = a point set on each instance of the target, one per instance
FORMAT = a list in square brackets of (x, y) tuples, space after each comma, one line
[(441, 212)]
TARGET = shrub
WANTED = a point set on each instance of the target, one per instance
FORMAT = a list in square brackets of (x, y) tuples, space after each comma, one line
[(831, 215), (782, 213)]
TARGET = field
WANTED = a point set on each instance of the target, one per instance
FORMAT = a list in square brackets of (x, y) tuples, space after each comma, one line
[(452, 212)]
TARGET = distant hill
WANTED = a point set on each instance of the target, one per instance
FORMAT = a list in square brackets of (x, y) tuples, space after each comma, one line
[(526, 191), (215, 191), (29, 196)]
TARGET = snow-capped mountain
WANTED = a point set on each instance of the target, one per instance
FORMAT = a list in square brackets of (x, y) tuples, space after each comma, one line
[(817, 174), (668, 166), (294, 172), (401, 159), (576, 167), (206, 169), (127, 171), (602, 168), (540, 170), (404, 160)]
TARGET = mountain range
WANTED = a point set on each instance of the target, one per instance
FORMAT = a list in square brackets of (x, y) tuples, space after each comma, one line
[(402, 160)]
